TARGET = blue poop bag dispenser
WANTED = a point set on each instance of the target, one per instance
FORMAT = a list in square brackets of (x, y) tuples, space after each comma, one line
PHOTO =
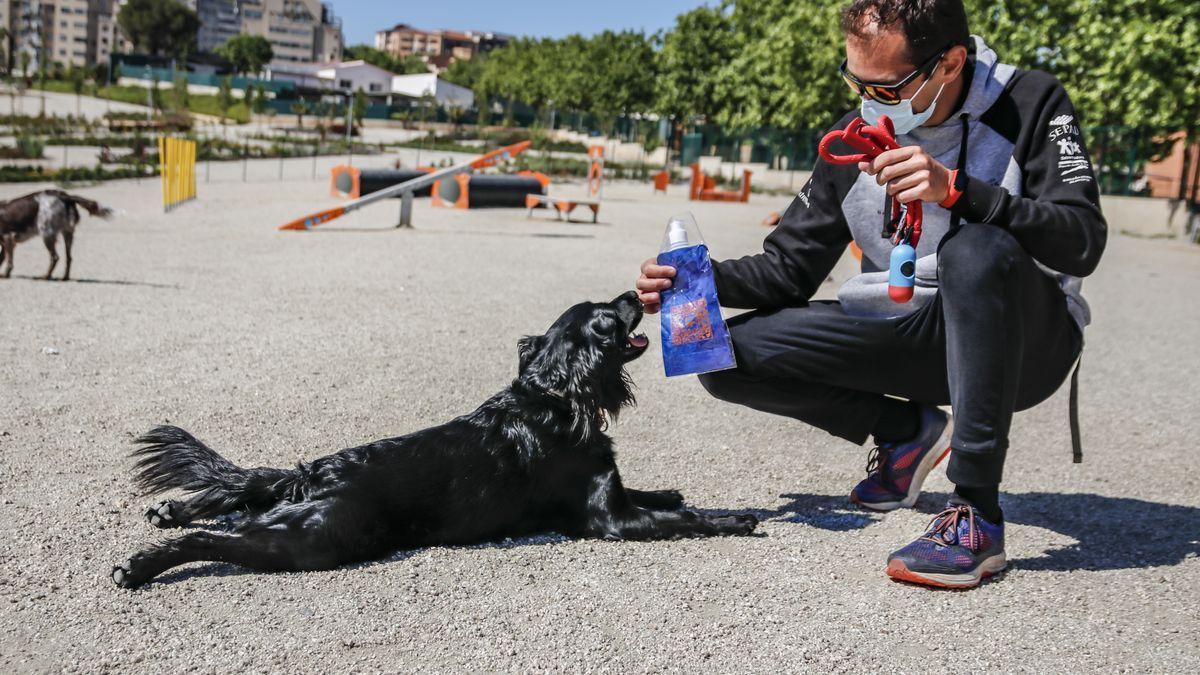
[(694, 336)]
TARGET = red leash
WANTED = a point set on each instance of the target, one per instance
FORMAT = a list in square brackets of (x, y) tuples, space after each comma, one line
[(871, 142)]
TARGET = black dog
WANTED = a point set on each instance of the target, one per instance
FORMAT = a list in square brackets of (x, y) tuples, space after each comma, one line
[(533, 458)]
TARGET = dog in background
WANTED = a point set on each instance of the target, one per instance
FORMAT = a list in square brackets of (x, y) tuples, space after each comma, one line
[(47, 214), (533, 458)]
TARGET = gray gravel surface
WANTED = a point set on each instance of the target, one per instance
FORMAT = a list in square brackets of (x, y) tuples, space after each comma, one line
[(277, 347)]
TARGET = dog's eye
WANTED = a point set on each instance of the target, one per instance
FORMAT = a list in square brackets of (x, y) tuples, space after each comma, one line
[(603, 325)]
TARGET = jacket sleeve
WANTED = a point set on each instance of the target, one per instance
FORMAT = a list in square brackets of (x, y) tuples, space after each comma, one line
[(797, 256), (1058, 218)]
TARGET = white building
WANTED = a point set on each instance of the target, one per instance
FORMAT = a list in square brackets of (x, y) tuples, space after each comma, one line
[(373, 80), (336, 76), (448, 95)]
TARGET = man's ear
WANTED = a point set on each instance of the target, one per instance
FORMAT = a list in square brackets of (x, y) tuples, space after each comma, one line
[(527, 348)]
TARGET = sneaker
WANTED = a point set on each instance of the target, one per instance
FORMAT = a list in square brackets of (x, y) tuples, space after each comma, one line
[(896, 471), (958, 550)]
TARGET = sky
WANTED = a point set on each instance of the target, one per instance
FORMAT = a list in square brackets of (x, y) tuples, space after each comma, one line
[(539, 18)]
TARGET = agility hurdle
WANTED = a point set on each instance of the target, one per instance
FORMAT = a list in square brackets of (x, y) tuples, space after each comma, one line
[(406, 190), (177, 166)]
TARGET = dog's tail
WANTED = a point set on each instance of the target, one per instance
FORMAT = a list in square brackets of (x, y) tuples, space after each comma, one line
[(92, 207), (171, 458)]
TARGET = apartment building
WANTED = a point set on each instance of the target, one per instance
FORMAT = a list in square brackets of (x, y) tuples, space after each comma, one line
[(71, 32), (85, 32), (437, 47), (300, 31)]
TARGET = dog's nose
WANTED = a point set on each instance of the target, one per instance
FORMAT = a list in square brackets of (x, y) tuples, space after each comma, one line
[(629, 299)]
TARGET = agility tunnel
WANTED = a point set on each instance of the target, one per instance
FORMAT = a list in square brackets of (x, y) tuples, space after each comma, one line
[(479, 191), (348, 182)]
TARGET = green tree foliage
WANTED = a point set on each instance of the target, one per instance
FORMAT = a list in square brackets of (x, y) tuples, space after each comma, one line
[(225, 97), (247, 53), (180, 93), (159, 27), (1128, 62), (406, 66), (689, 59), (359, 107)]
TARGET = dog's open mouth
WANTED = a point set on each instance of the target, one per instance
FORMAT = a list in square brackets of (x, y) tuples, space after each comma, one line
[(635, 344)]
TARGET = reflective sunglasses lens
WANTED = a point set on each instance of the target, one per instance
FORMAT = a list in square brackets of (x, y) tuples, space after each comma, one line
[(888, 96)]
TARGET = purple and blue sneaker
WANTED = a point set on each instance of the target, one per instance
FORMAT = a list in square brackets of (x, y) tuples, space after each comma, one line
[(896, 471), (958, 550)]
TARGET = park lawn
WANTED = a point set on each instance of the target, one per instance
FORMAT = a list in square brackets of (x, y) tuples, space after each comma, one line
[(201, 104)]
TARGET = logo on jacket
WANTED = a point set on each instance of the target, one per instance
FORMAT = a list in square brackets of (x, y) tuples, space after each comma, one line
[(1061, 120)]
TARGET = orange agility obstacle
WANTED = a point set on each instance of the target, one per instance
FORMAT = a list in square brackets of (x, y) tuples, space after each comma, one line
[(564, 206), (704, 188), (406, 189)]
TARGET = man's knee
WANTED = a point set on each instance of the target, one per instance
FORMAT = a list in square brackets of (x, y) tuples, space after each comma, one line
[(976, 256), (726, 385)]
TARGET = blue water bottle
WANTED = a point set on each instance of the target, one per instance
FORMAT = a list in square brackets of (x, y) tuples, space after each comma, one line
[(694, 336)]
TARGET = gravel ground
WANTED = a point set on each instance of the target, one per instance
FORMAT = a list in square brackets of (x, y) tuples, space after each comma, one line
[(279, 347)]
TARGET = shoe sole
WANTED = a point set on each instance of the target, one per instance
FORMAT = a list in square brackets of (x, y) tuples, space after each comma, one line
[(927, 465), (897, 570)]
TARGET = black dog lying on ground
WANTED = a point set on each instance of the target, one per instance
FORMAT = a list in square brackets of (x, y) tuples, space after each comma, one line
[(533, 458)]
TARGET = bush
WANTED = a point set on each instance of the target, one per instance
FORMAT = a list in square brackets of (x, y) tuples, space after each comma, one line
[(30, 147)]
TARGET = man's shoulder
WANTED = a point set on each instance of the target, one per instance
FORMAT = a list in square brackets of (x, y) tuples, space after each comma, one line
[(1029, 95)]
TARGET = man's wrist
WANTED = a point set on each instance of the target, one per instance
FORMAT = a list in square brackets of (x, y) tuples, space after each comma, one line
[(954, 191)]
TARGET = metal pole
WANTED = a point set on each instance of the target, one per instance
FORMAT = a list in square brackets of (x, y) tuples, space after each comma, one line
[(406, 203)]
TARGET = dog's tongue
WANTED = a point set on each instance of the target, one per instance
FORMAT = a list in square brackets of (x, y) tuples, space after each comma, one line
[(638, 341)]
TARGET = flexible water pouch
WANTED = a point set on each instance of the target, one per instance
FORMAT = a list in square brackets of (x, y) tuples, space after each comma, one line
[(694, 336)]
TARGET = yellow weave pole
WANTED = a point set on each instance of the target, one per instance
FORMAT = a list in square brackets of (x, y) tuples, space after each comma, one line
[(177, 165)]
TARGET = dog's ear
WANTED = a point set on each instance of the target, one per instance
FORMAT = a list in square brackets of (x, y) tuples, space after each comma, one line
[(527, 348)]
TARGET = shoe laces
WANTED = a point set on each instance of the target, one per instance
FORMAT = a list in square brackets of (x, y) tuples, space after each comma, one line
[(943, 528), (878, 459)]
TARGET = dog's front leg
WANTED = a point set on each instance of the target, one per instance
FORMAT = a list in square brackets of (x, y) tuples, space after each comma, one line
[(8, 245), (612, 514)]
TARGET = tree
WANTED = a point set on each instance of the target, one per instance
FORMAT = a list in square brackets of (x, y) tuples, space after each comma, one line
[(179, 92), (360, 106), (259, 104), (1122, 62), (690, 61), (247, 53), (406, 66), (225, 97), (159, 27), (299, 108), (78, 79)]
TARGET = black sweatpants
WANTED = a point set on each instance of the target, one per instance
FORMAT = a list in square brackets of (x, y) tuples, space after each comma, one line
[(996, 338)]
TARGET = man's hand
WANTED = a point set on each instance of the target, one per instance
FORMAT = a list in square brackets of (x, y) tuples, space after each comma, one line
[(910, 174), (654, 278)]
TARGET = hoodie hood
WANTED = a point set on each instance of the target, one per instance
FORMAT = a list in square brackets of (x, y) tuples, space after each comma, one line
[(987, 83)]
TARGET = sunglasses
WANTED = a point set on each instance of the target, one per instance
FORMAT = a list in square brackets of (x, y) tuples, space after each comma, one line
[(888, 94)]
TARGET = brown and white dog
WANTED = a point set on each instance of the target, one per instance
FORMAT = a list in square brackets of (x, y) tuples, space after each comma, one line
[(47, 214)]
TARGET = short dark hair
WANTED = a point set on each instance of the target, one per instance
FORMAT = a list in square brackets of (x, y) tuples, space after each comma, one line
[(929, 26)]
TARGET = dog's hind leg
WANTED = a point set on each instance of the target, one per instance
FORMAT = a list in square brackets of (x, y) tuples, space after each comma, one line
[(68, 238), (202, 505), (290, 537), (613, 515), (657, 500), (51, 241)]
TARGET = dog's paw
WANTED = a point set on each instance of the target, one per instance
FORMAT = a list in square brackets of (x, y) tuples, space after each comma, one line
[(739, 525), (122, 575), (162, 515)]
